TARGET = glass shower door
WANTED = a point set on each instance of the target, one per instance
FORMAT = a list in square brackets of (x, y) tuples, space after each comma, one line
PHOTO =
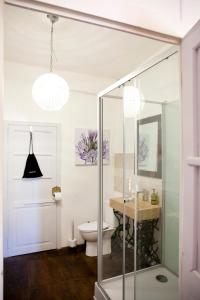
[(158, 152), (111, 240), (139, 188), (142, 216), (118, 190), (149, 201), (130, 202)]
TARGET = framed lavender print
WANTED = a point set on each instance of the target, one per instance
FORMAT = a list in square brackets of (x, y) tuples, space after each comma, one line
[(86, 146), (149, 148)]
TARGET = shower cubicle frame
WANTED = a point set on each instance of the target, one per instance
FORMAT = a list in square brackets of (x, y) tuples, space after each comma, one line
[(99, 291)]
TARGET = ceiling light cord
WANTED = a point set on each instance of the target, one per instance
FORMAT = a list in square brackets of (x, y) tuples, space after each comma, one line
[(53, 19), (51, 48)]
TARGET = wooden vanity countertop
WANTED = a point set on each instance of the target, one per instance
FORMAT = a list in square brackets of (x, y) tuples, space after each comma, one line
[(146, 211)]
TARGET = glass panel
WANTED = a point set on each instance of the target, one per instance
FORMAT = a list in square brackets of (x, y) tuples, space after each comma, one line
[(158, 183), (149, 199), (171, 169), (112, 258), (141, 189), (149, 127), (130, 194)]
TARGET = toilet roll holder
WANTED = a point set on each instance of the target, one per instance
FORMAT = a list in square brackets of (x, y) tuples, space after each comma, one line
[(56, 190)]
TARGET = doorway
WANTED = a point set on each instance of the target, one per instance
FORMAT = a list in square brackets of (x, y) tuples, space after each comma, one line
[(31, 211), (84, 55)]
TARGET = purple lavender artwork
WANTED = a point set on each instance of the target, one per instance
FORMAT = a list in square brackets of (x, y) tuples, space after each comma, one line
[(87, 147), (143, 150)]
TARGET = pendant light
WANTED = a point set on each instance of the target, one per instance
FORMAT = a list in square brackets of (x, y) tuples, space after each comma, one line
[(50, 91), (131, 101)]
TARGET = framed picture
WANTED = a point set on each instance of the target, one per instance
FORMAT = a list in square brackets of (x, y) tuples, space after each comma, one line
[(149, 147), (86, 147)]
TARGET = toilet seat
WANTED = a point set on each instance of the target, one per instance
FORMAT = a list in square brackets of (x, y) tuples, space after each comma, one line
[(91, 226)]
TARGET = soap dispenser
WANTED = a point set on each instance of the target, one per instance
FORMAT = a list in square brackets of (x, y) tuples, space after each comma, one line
[(154, 198)]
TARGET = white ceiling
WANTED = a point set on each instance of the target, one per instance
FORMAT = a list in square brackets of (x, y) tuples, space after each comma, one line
[(79, 47), (174, 17)]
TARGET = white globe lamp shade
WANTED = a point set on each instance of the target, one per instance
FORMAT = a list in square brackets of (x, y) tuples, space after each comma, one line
[(131, 101), (50, 92)]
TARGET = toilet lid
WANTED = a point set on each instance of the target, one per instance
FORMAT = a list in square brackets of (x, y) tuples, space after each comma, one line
[(91, 226)]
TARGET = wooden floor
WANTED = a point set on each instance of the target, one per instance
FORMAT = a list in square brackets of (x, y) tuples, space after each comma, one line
[(50, 275)]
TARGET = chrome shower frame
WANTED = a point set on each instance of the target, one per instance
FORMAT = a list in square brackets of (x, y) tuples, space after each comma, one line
[(100, 97)]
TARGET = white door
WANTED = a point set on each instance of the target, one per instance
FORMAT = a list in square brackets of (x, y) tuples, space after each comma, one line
[(31, 211), (1, 147), (190, 244)]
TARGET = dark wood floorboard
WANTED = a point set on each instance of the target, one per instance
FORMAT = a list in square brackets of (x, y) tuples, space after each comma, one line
[(50, 275), (60, 274)]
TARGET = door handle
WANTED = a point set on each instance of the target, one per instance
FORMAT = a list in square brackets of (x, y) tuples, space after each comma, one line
[(43, 203), (193, 161)]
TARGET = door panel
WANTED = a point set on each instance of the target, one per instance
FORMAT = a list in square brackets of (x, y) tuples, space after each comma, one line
[(190, 256), (41, 190), (34, 228), (31, 210)]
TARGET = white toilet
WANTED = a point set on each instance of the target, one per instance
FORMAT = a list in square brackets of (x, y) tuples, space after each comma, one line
[(89, 234)]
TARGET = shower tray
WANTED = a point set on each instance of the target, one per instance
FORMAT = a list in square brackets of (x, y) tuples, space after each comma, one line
[(148, 286)]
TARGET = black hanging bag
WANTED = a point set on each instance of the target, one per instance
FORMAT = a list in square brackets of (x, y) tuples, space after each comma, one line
[(32, 169)]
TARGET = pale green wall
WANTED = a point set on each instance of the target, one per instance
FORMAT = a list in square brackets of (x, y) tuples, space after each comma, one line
[(171, 174)]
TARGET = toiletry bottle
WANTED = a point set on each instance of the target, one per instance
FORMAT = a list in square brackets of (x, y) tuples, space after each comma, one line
[(157, 198), (154, 198)]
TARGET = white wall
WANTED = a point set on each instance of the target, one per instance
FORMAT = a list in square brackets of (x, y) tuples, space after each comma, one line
[(79, 183)]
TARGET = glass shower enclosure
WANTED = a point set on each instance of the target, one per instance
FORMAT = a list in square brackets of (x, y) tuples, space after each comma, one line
[(139, 152)]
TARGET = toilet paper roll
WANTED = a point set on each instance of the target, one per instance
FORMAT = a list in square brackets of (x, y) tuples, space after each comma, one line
[(57, 196)]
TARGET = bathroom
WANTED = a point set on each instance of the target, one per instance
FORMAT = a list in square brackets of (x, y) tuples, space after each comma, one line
[(39, 224)]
